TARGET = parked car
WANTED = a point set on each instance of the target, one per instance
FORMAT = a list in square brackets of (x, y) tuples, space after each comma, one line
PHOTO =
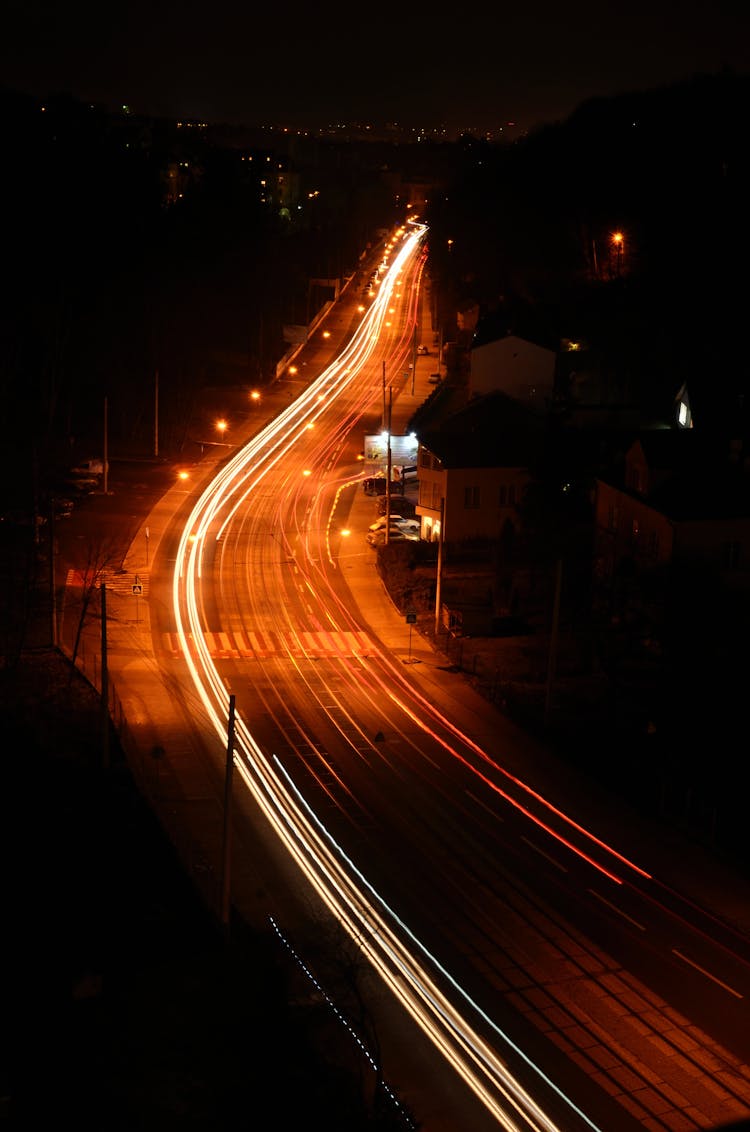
[(374, 485), (88, 468), (83, 485), (61, 508), (380, 523), (395, 534)]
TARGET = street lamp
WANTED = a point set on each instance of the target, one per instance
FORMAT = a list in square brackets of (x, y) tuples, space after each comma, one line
[(222, 427), (618, 243)]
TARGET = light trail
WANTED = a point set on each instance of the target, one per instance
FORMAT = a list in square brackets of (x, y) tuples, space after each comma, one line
[(393, 951)]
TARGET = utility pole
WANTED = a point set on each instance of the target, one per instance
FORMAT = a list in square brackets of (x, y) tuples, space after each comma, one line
[(227, 838), (552, 659), (105, 682), (439, 584), (156, 412), (383, 395), (105, 462), (388, 472), (52, 571)]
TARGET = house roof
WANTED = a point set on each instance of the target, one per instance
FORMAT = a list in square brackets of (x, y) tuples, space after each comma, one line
[(494, 325), (696, 478), (699, 494), (492, 431)]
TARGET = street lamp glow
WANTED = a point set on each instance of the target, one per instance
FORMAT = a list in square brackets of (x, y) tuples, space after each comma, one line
[(222, 426)]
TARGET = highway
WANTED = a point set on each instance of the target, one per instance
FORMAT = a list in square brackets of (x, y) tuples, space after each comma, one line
[(558, 979)]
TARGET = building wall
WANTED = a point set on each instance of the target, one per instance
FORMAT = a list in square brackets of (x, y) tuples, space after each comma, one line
[(723, 544), (516, 367), (626, 527), (478, 501)]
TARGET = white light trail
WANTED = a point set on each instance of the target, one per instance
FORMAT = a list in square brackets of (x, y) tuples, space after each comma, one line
[(393, 950)]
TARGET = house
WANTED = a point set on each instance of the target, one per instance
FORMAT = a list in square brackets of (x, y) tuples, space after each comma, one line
[(514, 358), (680, 499), (474, 468)]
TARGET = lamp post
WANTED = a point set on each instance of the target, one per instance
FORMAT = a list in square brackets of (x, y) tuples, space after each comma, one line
[(618, 244)]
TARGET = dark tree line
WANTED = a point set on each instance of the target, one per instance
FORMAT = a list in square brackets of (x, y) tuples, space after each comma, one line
[(135, 248)]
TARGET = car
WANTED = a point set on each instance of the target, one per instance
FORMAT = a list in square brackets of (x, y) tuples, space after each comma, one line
[(83, 485), (379, 524), (395, 534), (433, 379), (375, 485), (422, 350), (88, 468), (61, 508)]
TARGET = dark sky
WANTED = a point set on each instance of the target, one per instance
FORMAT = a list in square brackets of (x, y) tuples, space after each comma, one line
[(475, 65)]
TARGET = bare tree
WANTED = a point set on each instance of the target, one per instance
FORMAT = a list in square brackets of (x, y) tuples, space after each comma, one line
[(101, 554)]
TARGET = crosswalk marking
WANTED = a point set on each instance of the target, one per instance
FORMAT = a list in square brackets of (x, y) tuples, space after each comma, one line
[(117, 581), (256, 645), (250, 644)]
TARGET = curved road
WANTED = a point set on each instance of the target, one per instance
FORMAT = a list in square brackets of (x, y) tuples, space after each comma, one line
[(563, 983)]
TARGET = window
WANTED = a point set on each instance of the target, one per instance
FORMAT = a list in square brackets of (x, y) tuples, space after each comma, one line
[(635, 479), (424, 459), (732, 554), (471, 498)]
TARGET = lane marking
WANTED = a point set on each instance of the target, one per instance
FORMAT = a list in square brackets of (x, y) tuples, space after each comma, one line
[(619, 911), (703, 971)]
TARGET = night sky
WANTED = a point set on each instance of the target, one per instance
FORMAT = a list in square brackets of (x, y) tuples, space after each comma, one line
[(475, 66)]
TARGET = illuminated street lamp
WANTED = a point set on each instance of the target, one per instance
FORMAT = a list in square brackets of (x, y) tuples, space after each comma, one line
[(618, 245), (222, 426), (255, 396)]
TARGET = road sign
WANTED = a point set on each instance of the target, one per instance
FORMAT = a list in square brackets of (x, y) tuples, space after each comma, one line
[(137, 588), (411, 617)]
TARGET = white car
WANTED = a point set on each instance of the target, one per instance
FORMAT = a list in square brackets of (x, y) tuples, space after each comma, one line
[(395, 534), (379, 524)]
